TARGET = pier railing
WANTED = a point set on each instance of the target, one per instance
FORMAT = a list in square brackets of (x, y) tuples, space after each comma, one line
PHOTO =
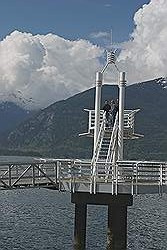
[(132, 177), (25, 174)]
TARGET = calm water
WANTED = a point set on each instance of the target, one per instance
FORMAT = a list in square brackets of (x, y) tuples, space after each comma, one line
[(41, 219)]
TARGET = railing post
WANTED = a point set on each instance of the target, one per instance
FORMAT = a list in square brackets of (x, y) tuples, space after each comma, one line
[(165, 177), (58, 170), (161, 179), (90, 120), (55, 172), (116, 178), (10, 176), (17, 170), (33, 175), (73, 176), (136, 182)]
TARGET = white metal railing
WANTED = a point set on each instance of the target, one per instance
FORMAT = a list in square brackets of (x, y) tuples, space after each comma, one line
[(112, 141), (129, 120), (14, 175), (126, 174), (142, 173), (110, 160), (133, 177), (91, 118), (96, 154), (99, 140)]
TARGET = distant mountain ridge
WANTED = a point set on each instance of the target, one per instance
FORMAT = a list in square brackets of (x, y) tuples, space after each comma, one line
[(11, 115), (54, 130)]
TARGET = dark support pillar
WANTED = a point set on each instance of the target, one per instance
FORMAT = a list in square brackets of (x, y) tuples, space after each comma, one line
[(80, 226), (117, 217), (117, 228)]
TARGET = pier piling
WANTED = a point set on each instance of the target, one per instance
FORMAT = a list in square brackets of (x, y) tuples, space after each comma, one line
[(80, 226), (117, 218), (117, 227)]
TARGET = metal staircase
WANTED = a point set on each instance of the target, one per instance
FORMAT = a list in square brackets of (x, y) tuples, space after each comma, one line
[(104, 157), (106, 143), (103, 165), (103, 150)]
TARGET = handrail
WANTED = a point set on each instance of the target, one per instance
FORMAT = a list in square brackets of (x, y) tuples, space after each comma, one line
[(110, 154), (99, 139), (112, 140), (96, 153)]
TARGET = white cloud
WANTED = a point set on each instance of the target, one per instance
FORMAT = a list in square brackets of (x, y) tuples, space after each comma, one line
[(145, 56), (108, 5), (45, 68), (100, 34)]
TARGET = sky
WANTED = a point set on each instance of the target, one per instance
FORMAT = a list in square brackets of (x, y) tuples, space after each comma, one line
[(51, 49), (71, 19)]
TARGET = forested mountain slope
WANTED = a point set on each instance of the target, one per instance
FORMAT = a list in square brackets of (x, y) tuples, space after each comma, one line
[(54, 130)]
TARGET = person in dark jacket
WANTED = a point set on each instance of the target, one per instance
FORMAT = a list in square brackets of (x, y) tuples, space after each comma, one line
[(106, 109), (115, 111)]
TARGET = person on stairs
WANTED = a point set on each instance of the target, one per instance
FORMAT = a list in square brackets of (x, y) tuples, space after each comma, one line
[(115, 111), (107, 108), (112, 104)]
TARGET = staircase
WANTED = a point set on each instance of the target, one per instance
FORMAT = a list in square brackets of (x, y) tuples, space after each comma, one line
[(103, 150)]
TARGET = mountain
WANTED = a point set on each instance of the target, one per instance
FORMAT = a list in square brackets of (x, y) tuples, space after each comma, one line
[(11, 115), (54, 130)]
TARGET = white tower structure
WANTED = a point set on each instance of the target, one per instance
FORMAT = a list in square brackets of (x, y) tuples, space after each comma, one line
[(111, 59)]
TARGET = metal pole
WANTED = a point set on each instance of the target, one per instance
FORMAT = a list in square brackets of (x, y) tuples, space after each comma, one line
[(99, 79), (122, 84)]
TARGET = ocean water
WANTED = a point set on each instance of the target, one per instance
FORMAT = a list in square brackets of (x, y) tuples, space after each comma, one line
[(43, 219)]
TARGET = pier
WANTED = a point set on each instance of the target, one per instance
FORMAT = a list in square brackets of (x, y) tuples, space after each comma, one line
[(105, 179)]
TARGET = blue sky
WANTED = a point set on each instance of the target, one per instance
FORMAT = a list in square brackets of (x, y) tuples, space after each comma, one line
[(71, 19), (51, 45)]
